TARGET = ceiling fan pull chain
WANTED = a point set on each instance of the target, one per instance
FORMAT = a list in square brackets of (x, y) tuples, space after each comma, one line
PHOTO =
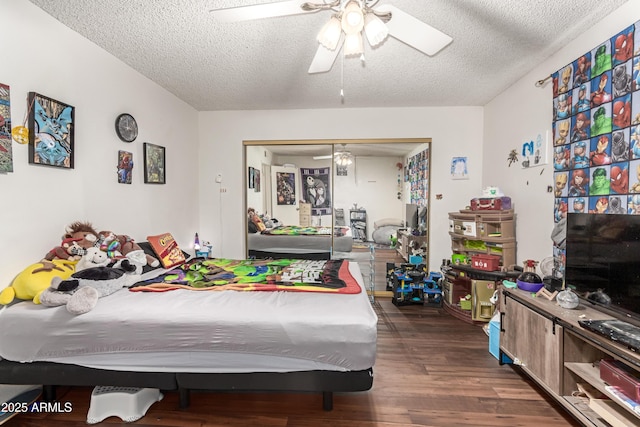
[(342, 80)]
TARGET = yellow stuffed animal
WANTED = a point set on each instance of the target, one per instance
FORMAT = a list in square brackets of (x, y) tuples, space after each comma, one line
[(33, 280)]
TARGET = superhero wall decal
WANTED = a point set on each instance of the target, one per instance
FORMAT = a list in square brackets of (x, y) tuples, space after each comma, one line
[(596, 128), (596, 131)]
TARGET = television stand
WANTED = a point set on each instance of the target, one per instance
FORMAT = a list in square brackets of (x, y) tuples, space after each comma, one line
[(615, 330), (561, 355)]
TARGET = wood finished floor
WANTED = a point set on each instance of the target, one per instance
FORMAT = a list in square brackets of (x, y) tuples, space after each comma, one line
[(431, 370)]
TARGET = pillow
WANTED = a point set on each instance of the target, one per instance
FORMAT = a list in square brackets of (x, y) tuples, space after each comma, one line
[(388, 221), (166, 249)]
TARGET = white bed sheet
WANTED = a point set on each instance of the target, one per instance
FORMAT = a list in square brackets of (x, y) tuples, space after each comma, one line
[(191, 331)]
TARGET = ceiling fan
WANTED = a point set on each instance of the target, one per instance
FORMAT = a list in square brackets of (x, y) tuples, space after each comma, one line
[(344, 30), (342, 156)]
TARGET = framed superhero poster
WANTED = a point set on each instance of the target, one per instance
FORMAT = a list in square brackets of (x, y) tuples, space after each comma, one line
[(51, 132)]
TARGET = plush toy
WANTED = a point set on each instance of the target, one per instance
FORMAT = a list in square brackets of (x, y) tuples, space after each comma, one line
[(80, 293), (78, 237), (33, 280), (93, 257), (124, 245)]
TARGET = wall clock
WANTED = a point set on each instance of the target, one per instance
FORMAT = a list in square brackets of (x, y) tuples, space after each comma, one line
[(126, 127)]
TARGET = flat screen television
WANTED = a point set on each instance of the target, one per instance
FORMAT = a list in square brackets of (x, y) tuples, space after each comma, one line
[(603, 254)]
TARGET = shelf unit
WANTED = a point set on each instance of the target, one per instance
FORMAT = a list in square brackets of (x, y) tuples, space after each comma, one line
[(484, 232), (462, 280), (358, 221), (551, 347)]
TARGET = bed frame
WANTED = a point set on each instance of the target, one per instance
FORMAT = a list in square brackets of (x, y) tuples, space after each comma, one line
[(51, 375)]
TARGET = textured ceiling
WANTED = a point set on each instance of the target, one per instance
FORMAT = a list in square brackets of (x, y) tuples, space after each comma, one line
[(263, 64)]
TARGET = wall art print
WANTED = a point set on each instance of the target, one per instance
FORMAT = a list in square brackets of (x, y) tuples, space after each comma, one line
[(316, 189), (596, 130), (418, 171), (534, 151), (6, 154), (51, 132), (251, 177), (256, 180), (459, 168), (125, 167), (154, 164), (286, 188)]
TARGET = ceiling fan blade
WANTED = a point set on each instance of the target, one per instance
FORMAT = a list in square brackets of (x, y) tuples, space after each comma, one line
[(414, 32), (324, 58), (260, 11)]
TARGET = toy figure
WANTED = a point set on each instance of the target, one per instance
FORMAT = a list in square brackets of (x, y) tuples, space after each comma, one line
[(579, 182), (581, 128), (600, 184), (580, 160), (619, 179)]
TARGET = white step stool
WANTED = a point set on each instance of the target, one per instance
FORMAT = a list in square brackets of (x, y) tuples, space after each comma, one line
[(128, 403)]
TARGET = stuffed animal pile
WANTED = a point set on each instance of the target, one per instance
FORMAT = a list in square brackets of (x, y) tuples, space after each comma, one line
[(86, 265), (92, 280)]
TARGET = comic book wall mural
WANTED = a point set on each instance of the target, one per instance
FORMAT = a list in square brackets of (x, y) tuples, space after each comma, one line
[(596, 130)]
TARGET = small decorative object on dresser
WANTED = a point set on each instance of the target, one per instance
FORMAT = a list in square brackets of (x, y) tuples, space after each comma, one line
[(126, 127)]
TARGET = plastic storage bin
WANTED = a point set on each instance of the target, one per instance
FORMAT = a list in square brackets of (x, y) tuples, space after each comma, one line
[(494, 342)]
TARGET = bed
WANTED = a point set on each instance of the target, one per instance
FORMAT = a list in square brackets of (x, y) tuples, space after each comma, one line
[(187, 340), (310, 242)]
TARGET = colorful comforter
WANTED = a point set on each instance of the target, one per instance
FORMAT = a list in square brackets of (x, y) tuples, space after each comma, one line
[(221, 274), (295, 230)]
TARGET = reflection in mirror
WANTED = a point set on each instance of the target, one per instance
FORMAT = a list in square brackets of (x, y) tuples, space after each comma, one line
[(322, 200)]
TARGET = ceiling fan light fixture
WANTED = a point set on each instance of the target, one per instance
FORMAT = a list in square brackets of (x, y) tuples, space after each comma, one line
[(353, 44), (375, 29), (343, 159), (329, 35), (352, 18)]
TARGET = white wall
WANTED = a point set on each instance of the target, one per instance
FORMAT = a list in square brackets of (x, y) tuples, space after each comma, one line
[(455, 131), (519, 114), (38, 202)]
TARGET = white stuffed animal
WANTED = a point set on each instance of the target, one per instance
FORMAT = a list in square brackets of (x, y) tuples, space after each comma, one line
[(92, 281), (93, 257)]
